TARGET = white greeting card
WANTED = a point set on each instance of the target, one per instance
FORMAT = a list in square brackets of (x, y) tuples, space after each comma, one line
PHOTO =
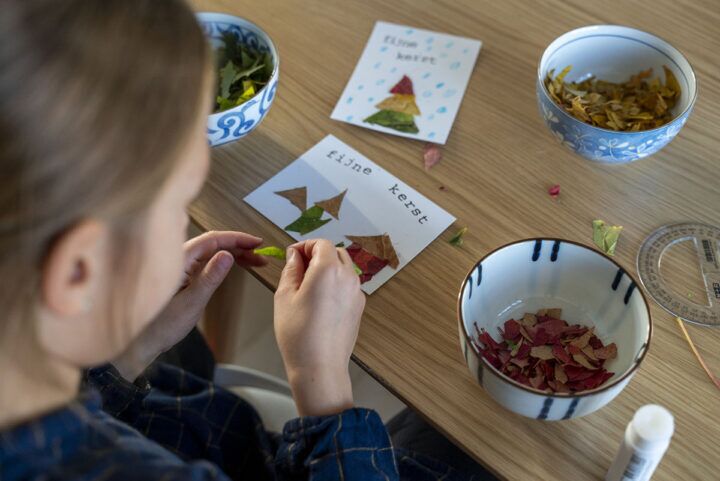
[(408, 82), (334, 192)]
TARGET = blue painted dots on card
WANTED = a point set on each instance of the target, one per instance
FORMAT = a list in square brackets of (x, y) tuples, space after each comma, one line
[(442, 110), (431, 116), (370, 99), (454, 65), (440, 85), (393, 70), (409, 31), (427, 94), (349, 118), (377, 65), (380, 82), (361, 86), (449, 93), (431, 135), (349, 100), (443, 55), (426, 75), (428, 48), (430, 40), (465, 50), (383, 48), (449, 44)]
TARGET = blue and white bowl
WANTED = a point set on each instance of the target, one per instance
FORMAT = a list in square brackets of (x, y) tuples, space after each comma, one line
[(591, 289), (236, 123), (613, 53)]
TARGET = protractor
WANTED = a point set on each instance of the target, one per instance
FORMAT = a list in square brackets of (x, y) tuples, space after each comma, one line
[(693, 300)]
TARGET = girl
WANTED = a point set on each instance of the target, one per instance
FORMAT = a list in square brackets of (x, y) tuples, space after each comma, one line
[(102, 146)]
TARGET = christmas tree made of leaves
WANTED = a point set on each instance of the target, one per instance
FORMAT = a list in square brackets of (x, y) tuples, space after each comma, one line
[(398, 111)]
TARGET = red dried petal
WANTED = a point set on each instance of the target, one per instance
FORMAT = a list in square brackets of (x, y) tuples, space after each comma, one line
[(512, 330), (485, 338), (404, 86), (431, 155), (504, 356), (537, 380), (521, 363), (560, 354), (542, 352), (560, 373), (523, 351), (597, 379), (492, 359), (366, 262), (583, 340), (573, 331), (540, 337), (554, 191), (595, 342), (589, 352), (577, 373), (553, 327), (583, 361), (524, 331), (528, 320), (607, 352)]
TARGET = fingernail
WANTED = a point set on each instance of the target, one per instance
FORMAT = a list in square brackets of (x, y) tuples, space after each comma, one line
[(226, 261)]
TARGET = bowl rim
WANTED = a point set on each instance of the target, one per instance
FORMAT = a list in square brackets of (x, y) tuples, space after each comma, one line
[(636, 362), (201, 17), (691, 103)]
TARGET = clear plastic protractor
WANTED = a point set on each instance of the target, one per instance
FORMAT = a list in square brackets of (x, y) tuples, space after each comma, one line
[(707, 243)]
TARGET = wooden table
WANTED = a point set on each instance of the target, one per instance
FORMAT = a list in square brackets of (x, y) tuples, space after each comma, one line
[(498, 163)]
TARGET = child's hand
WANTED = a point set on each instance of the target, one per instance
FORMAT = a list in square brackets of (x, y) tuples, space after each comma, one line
[(318, 305), (208, 259)]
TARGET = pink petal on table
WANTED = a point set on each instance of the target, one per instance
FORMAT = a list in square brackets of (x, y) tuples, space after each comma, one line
[(554, 191), (432, 155)]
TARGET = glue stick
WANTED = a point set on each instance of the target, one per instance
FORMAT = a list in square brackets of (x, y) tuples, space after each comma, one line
[(646, 439)]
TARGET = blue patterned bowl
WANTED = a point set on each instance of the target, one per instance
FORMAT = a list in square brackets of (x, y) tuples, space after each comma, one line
[(236, 123), (613, 53), (588, 286)]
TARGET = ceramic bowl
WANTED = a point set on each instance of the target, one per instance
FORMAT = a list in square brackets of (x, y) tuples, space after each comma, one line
[(236, 123), (613, 53), (591, 289)]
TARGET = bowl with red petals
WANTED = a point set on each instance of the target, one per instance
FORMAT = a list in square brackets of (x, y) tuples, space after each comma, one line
[(552, 329)]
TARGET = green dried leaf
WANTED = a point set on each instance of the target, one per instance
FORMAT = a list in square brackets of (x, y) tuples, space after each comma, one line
[(358, 271), (606, 237), (457, 239), (394, 120), (271, 251), (308, 221), (227, 78)]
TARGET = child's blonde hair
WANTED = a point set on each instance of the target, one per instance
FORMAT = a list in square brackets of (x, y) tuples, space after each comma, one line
[(96, 98)]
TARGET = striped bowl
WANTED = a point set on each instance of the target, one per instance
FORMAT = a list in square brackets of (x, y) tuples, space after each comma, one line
[(591, 289)]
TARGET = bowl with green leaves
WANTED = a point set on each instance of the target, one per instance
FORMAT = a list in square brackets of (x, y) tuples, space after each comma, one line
[(248, 69)]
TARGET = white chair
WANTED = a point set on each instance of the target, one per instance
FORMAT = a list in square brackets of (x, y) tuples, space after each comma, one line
[(269, 395)]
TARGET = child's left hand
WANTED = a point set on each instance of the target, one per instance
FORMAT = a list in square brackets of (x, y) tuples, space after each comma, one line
[(208, 259)]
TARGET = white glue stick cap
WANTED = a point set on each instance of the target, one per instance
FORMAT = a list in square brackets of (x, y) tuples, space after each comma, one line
[(652, 426)]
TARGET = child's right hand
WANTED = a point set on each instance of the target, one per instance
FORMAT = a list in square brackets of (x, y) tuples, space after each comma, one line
[(318, 305)]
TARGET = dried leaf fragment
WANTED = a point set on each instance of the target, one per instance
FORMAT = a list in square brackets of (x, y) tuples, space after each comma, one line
[(431, 155), (457, 239)]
